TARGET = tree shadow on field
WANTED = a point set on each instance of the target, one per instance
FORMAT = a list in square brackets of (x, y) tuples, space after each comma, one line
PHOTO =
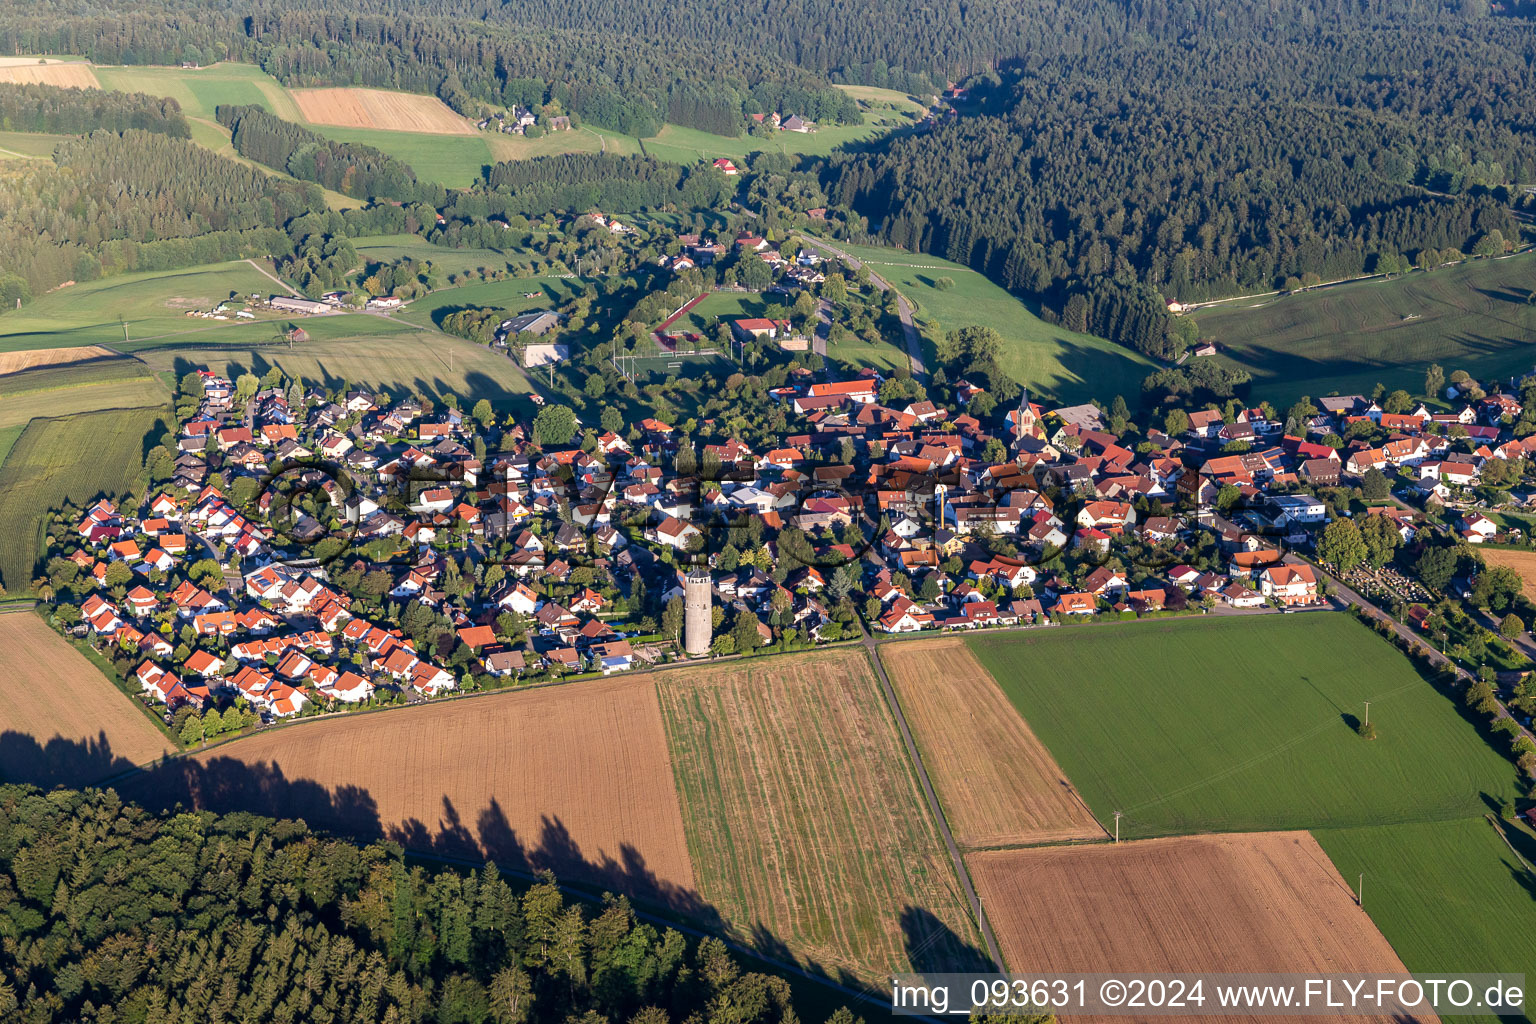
[(227, 785), (59, 761), (932, 946)]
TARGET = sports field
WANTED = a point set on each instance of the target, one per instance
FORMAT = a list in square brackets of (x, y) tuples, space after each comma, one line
[(997, 783), (1450, 895), (75, 458), (1244, 724), (55, 701), (572, 778), (380, 109), (804, 820), (1268, 902), (1059, 364), (1346, 338)]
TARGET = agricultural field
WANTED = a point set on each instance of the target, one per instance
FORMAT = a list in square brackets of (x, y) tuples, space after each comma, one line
[(456, 161), (200, 91), (581, 139), (136, 309), (1052, 362), (1244, 724), (28, 145), (69, 74), (1266, 902), (61, 720), (15, 362), (380, 109), (997, 783), (1481, 916), (394, 357), (883, 114), (573, 778), (1523, 562), (804, 820), (1346, 338), (75, 459), (135, 392)]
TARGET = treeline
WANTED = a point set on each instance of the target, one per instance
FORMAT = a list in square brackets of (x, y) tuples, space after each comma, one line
[(111, 204), (55, 111), (346, 167), (111, 913), (469, 53), (1203, 168), (583, 181)]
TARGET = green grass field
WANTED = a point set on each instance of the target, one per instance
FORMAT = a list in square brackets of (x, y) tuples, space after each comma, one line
[(1346, 338), (1051, 362), (27, 146), (74, 458), (201, 90), (152, 306), (1448, 895), (511, 295), (388, 248), (1239, 724)]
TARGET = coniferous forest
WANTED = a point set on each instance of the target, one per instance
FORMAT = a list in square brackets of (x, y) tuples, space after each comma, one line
[(109, 913)]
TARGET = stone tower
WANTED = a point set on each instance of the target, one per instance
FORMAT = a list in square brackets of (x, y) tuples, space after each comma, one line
[(698, 592)]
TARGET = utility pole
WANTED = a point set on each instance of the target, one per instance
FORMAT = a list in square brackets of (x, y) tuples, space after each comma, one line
[(1360, 896), (1367, 712), (1117, 825)]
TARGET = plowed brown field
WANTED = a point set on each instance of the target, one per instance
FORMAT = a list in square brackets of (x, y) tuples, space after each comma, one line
[(1259, 902), (29, 359), (1523, 562), (379, 108), (575, 778), (61, 720), (997, 782), (804, 818), (27, 71)]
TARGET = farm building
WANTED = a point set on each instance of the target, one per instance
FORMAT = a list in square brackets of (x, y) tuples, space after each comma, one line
[(295, 304)]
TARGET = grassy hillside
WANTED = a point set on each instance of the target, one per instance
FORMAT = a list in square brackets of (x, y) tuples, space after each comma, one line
[(28, 146), (1343, 339), (134, 308), (1052, 362), (1243, 724)]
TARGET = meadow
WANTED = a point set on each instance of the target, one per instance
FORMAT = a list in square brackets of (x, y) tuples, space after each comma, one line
[(1346, 338), (74, 459), (511, 295), (1051, 362), (388, 248), (1448, 895), (804, 820), (134, 310), (28, 146), (1243, 724)]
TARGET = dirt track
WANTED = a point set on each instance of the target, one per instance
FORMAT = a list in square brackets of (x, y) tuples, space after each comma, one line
[(1259, 902), (999, 784)]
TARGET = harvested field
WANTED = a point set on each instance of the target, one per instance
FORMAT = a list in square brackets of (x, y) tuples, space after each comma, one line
[(27, 70), (61, 721), (1259, 902), (1523, 562), (998, 784), (573, 778), (804, 819), (380, 109), (14, 362)]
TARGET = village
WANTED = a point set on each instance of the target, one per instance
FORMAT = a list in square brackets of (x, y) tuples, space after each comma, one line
[(322, 550)]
